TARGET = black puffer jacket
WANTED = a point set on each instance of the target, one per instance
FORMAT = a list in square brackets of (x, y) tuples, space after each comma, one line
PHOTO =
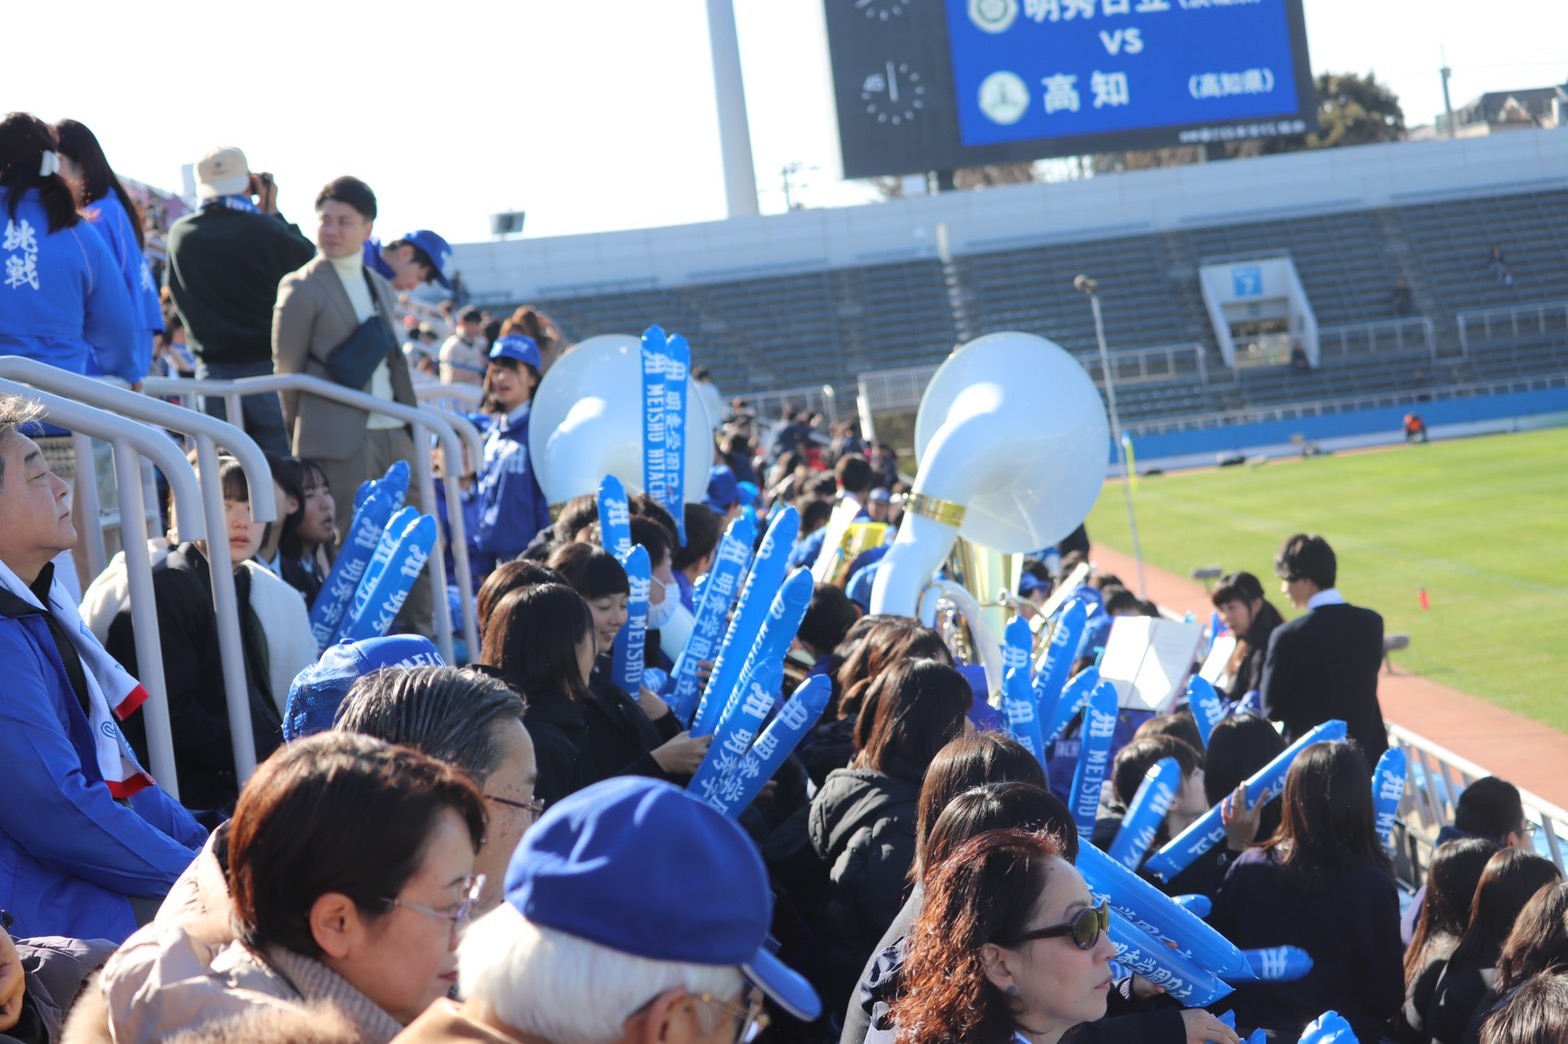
[(862, 825)]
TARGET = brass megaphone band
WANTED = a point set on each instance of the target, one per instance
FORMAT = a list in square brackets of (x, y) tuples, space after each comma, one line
[(935, 508)]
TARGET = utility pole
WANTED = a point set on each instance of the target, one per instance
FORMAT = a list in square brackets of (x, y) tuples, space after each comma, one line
[(1448, 106)]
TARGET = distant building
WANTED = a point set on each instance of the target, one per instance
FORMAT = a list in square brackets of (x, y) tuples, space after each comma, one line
[(1496, 111)]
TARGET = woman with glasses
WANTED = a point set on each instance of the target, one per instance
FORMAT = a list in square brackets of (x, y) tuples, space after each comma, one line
[(1321, 883), (1010, 946), (351, 863)]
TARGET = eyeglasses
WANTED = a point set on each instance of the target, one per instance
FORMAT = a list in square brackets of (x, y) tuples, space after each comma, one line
[(1085, 928), (1529, 829), (457, 914), (750, 1020), (533, 806)]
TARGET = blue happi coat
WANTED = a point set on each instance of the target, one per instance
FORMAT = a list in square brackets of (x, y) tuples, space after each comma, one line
[(512, 507)]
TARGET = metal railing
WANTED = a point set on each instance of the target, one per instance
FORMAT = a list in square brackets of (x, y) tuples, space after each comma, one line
[(132, 441), (1541, 317), (769, 405), (901, 389), (1141, 365), (425, 422), (1377, 336), (1437, 776), (1329, 407), (455, 398)]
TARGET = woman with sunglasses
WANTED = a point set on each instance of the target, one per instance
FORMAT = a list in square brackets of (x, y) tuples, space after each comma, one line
[(1321, 883), (1009, 947), (351, 863)]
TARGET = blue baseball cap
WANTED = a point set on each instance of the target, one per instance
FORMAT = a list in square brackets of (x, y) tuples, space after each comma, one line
[(516, 346), (435, 248), (1028, 584), (643, 868), (723, 490), (320, 688)]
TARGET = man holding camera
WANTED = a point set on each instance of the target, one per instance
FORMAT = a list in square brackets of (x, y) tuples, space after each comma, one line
[(225, 261)]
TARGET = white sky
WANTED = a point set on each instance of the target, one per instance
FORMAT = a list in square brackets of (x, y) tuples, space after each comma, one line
[(590, 115)]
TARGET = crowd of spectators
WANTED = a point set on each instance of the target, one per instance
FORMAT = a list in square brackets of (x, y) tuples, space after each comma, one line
[(502, 851)]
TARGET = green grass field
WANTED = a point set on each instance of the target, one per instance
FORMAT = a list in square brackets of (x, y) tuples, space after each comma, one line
[(1481, 524)]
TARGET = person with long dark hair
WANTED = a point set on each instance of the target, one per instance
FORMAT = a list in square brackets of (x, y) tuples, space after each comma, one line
[(540, 640), (64, 301), (1321, 883), (103, 201), (1537, 947), (1511, 877), (862, 820), (1451, 882)]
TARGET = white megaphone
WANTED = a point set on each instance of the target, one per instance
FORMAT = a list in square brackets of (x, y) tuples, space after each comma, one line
[(1013, 447), (587, 423)]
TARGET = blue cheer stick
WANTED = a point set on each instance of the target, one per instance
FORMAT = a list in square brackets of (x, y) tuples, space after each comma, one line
[(615, 517), (732, 738), (337, 594), (400, 520), (362, 494), (1146, 812), (1207, 707), (395, 481), (799, 715), (1388, 789), (1052, 677), (756, 598), (655, 363), (390, 589), (1151, 911), (778, 630), (1142, 954), (1279, 963), (1251, 702), (1018, 702), (714, 597), (677, 363), (630, 646), (1197, 905), (1329, 1028), (1094, 757), (1209, 829), (1074, 698)]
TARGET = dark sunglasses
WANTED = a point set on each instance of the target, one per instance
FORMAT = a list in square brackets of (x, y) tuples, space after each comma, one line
[(1085, 928)]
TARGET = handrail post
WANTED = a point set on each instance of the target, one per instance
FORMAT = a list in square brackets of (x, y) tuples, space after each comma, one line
[(437, 563), (225, 603), (144, 619), (91, 510)]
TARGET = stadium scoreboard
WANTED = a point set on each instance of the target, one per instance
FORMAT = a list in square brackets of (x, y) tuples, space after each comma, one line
[(927, 85)]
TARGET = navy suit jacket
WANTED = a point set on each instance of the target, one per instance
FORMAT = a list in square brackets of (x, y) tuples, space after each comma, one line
[(1323, 665)]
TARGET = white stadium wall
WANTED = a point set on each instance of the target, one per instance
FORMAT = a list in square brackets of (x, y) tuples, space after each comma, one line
[(1293, 185)]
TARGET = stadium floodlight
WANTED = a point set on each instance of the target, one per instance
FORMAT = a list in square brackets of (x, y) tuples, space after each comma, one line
[(1085, 285)]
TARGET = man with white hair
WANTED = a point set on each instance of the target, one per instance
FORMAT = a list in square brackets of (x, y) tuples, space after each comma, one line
[(633, 914)]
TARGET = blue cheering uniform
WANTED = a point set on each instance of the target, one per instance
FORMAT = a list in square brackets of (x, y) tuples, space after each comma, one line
[(512, 508), (109, 218)]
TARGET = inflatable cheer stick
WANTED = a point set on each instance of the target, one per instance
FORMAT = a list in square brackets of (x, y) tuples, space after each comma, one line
[(713, 599), (1329, 1028), (1207, 707), (1388, 789), (337, 594), (400, 520), (1209, 829), (677, 363), (1144, 955), (756, 598), (630, 646), (1058, 660), (1074, 698), (1279, 963), (390, 589), (799, 715), (1094, 757), (732, 739), (1023, 719), (1150, 910), (778, 630), (1146, 812), (615, 517), (1197, 905)]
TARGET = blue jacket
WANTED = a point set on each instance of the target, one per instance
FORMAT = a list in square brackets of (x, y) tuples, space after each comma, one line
[(62, 297), (70, 855), (512, 508), (108, 216)]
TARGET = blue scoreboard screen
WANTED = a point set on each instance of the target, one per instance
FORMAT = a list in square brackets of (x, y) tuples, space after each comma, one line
[(941, 84)]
